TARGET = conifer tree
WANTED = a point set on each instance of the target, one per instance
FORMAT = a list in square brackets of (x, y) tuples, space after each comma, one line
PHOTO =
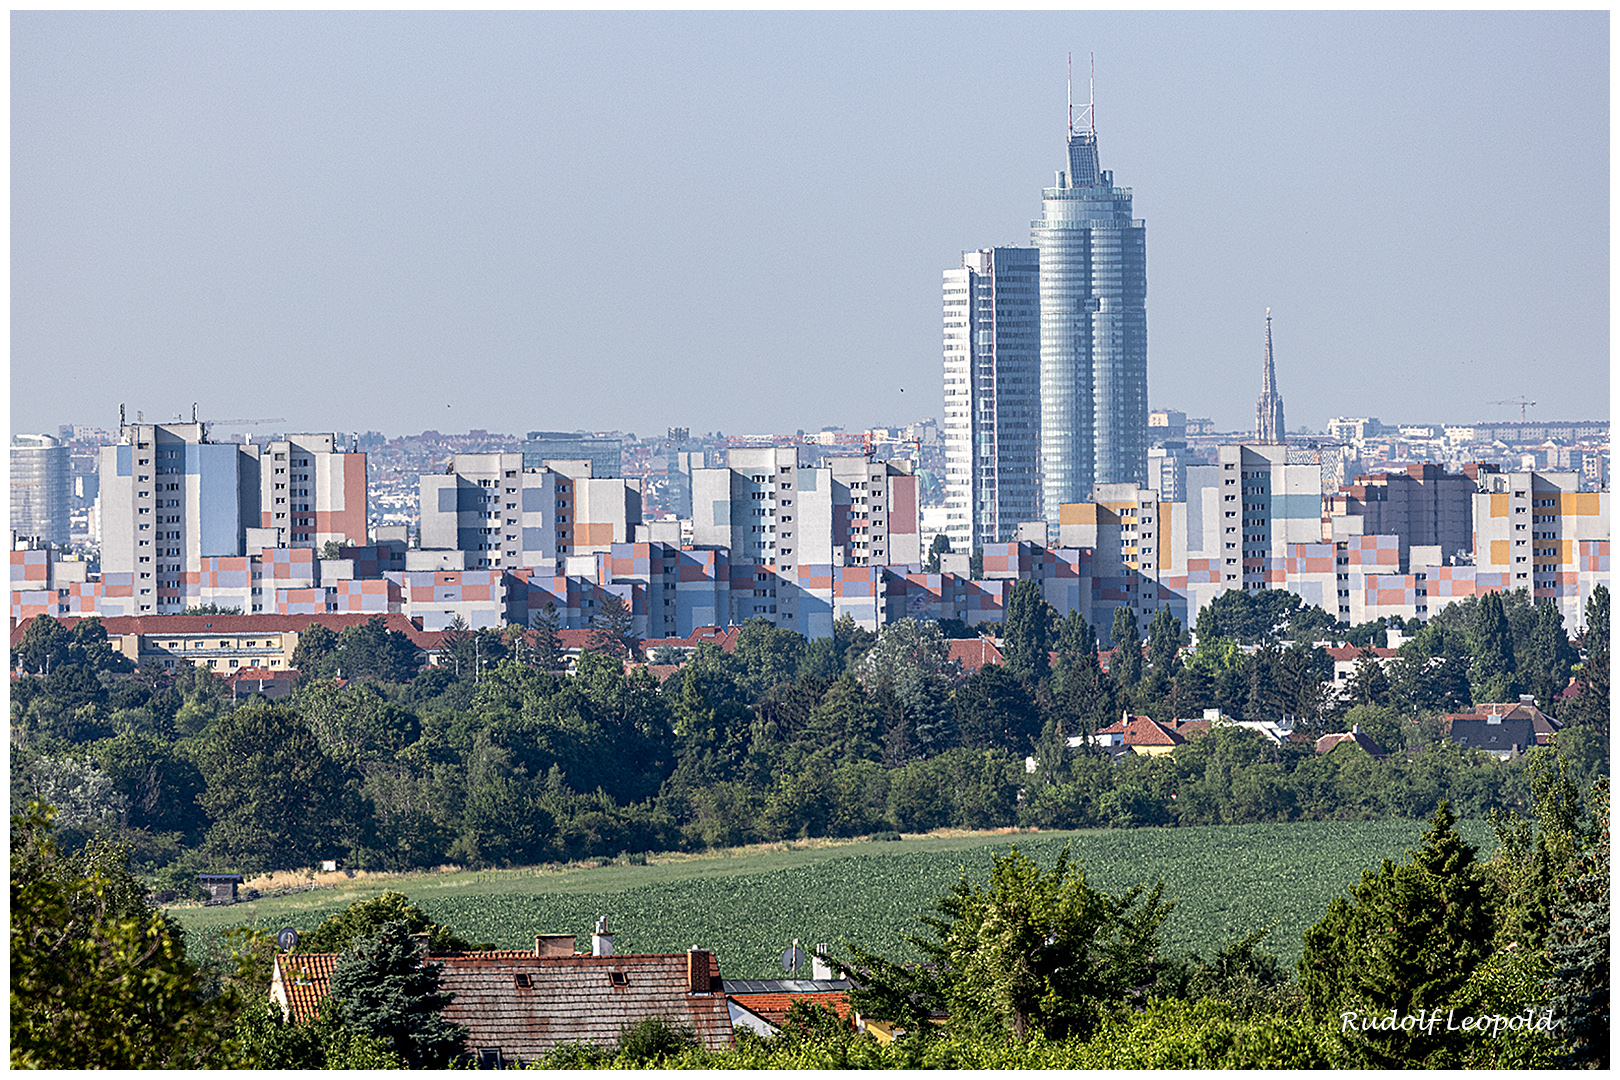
[(1494, 668), (1026, 633), (382, 988), (1126, 665), (1551, 656), (1408, 938), (1578, 950), (547, 653)]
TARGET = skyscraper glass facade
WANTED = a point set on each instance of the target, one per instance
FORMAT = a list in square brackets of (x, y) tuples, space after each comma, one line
[(1093, 326), (606, 455), (992, 395), (41, 487)]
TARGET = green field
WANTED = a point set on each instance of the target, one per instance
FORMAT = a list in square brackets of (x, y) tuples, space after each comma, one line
[(748, 908)]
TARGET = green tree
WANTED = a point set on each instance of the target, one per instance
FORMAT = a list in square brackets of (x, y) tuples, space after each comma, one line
[(910, 662), (766, 656), (1164, 642), (98, 979), (268, 1040), (613, 629), (1042, 951), (48, 645), (993, 711), (1494, 669), (276, 799), (1578, 949), (382, 988), (368, 918), (1547, 667), (1126, 665), (1367, 685), (941, 545), (1026, 633), (316, 651), (372, 651), (547, 654), (1408, 938)]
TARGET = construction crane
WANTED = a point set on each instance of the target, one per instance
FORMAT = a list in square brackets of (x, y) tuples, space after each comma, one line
[(1520, 401), (257, 420)]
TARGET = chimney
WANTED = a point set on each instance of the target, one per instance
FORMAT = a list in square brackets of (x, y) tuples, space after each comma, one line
[(819, 968), (601, 940), (697, 971), (1355, 729), (1527, 699), (554, 945)]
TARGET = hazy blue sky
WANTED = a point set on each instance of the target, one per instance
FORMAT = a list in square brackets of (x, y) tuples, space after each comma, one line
[(738, 221)]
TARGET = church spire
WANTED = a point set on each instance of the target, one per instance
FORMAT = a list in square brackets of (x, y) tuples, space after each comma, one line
[(1268, 424)]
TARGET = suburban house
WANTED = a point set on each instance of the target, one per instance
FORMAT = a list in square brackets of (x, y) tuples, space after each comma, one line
[(1503, 737), (1346, 657), (1545, 727), (971, 654), (1328, 743), (518, 1005)]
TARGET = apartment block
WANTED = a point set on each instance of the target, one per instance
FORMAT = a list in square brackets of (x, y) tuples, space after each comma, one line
[(1540, 531), (44, 581), (311, 492), (1242, 513), (436, 598), (1424, 506), (170, 500), (506, 515)]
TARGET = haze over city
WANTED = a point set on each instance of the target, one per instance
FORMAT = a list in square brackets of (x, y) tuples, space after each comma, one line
[(738, 222)]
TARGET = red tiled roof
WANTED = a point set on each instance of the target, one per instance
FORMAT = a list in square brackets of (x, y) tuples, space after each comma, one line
[(568, 999), (1142, 731), (305, 979), (773, 1008), (974, 653)]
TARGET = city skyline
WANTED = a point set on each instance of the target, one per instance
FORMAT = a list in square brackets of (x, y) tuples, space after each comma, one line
[(716, 221)]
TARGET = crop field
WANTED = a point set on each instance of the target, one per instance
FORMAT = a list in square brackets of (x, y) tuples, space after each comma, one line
[(748, 908)]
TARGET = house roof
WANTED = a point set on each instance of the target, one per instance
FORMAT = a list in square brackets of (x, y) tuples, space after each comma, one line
[(1545, 726), (577, 998), (1328, 743), (304, 979), (973, 653), (1501, 737), (1143, 731), (773, 1008), (1192, 729)]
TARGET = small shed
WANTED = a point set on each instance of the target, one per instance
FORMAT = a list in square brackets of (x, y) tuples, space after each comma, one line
[(221, 887)]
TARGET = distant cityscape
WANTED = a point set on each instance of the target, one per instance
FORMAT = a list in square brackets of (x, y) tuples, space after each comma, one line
[(1046, 462)]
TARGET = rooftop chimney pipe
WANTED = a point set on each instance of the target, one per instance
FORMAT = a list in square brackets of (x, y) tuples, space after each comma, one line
[(601, 941)]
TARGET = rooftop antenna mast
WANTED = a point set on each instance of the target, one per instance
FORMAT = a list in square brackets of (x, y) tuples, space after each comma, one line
[(1088, 111)]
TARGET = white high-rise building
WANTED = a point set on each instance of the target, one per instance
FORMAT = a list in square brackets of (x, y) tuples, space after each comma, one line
[(992, 396)]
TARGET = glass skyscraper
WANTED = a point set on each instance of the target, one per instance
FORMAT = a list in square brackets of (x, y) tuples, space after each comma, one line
[(1093, 291), (992, 396)]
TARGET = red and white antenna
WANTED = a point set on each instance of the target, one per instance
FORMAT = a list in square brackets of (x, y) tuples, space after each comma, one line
[(1088, 111)]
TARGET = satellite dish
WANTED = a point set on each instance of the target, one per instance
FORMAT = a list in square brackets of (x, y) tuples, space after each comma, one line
[(287, 939), (793, 959)]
